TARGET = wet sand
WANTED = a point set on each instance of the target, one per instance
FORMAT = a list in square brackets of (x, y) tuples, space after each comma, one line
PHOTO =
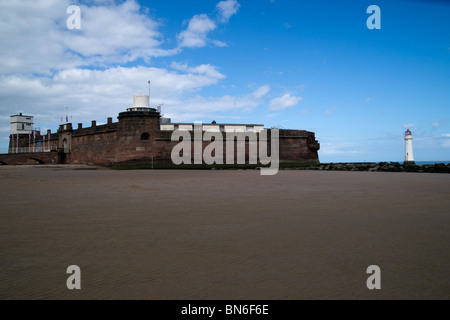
[(223, 234)]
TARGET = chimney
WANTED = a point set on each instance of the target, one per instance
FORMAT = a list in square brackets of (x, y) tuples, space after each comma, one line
[(80, 126), (109, 120), (94, 123)]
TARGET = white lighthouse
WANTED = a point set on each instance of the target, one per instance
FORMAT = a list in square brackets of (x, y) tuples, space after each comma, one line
[(409, 156)]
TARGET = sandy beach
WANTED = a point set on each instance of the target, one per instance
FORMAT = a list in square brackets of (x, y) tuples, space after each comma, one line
[(223, 234)]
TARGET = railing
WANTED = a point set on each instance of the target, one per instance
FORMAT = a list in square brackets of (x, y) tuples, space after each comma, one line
[(36, 149)]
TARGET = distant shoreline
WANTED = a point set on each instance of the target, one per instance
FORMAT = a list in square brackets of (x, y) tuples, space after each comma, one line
[(338, 166), (382, 167)]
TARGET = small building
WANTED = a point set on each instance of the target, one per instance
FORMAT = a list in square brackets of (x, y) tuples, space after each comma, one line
[(214, 127), (21, 124)]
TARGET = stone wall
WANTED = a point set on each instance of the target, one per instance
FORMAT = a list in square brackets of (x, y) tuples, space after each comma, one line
[(137, 137), (93, 149), (30, 158)]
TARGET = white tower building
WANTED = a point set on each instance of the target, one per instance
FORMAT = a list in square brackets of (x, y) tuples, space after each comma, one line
[(409, 156), (141, 102), (21, 124)]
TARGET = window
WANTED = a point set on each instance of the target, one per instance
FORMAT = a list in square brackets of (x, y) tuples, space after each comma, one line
[(145, 136)]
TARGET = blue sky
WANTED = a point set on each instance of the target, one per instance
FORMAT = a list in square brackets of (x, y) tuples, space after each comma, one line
[(310, 65)]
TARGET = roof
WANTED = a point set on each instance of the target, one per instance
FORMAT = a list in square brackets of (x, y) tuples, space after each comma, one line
[(21, 115)]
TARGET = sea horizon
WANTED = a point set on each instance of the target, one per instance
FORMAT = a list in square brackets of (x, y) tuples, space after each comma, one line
[(393, 161)]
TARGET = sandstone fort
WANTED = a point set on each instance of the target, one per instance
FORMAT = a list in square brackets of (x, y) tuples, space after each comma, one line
[(141, 136)]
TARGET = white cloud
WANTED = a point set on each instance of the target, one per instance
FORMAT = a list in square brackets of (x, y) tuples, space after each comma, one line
[(116, 33), (98, 94), (218, 43), (204, 69), (447, 135), (35, 38), (195, 35), (329, 112), (198, 107), (284, 102), (45, 67), (227, 9), (338, 149), (28, 36), (261, 91)]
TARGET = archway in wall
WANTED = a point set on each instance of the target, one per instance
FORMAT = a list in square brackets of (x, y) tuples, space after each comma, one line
[(35, 161)]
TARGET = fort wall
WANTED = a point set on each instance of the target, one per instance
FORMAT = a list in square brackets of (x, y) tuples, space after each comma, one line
[(137, 136)]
